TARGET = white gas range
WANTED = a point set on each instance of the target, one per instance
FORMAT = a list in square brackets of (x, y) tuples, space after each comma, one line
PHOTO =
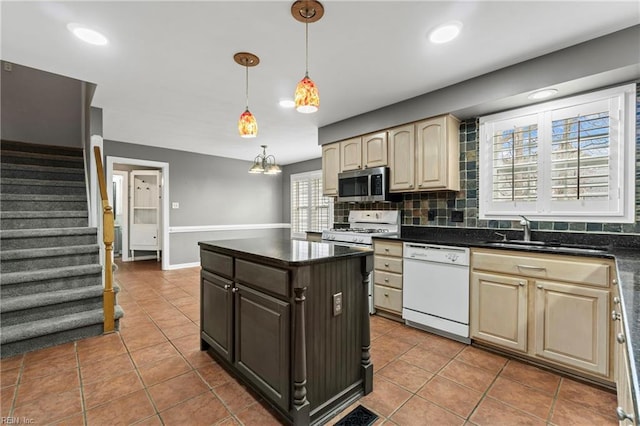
[(363, 226)]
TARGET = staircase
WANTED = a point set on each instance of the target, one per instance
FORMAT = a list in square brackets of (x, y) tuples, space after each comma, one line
[(51, 277)]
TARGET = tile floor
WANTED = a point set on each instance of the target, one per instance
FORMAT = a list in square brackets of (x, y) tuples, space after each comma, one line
[(152, 373)]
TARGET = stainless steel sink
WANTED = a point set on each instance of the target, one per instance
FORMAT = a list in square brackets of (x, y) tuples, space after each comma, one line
[(547, 246)]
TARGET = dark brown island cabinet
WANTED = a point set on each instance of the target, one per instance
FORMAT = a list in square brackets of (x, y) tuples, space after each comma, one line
[(290, 319)]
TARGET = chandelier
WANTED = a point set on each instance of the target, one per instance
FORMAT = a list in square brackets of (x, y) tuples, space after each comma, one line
[(264, 163)]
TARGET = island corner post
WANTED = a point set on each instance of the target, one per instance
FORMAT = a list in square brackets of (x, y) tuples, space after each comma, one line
[(267, 315)]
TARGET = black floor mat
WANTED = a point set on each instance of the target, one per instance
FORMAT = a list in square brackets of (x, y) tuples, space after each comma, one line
[(359, 416)]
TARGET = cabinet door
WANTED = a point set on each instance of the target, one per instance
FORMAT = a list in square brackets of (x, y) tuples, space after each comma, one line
[(571, 325), (262, 342), (499, 310), (622, 373), (351, 154), (216, 314), (330, 168), (401, 158), (374, 150)]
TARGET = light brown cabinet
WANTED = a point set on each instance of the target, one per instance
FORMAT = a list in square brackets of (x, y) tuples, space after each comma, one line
[(425, 155), (622, 373), (387, 277), (351, 154), (330, 169), (363, 152), (550, 308)]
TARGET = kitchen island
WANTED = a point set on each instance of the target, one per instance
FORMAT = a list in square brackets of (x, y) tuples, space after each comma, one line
[(290, 319)]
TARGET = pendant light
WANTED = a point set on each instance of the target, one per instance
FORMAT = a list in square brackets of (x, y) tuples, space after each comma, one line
[(247, 125), (264, 163), (307, 98)]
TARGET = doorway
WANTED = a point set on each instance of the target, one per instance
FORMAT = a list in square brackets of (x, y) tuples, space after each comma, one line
[(119, 166)]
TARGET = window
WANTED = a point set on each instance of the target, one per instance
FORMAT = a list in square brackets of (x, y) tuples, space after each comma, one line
[(569, 160), (310, 210)]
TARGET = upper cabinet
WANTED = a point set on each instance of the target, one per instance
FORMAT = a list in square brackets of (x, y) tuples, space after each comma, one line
[(374, 150), (424, 156), (330, 169), (351, 154)]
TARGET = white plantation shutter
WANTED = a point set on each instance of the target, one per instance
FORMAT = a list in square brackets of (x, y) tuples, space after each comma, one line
[(310, 210), (563, 160)]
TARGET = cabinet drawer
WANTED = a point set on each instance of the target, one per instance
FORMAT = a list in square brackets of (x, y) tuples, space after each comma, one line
[(387, 248), (595, 272), (218, 263), (387, 298), (389, 264), (389, 279), (263, 277)]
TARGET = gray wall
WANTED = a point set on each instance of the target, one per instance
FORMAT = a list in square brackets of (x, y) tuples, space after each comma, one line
[(211, 191), (287, 171), (610, 59), (95, 121), (41, 107)]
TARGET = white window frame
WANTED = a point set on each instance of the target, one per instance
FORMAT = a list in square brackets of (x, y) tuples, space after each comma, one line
[(316, 174), (620, 208)]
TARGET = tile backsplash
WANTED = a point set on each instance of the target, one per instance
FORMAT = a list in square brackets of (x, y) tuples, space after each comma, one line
[(415, 207)]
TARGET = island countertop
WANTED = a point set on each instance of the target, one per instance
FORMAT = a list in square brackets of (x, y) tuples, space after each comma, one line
[(285, 252)]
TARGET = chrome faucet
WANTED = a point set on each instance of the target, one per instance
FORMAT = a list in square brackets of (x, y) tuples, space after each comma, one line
[(526, 227)]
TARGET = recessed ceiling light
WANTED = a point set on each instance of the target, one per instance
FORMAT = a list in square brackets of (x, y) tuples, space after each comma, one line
[(287, 103), (87, 34), (541, 94), (445, 32)]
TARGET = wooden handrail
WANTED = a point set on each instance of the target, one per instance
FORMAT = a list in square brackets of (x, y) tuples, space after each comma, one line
[(108, 300)]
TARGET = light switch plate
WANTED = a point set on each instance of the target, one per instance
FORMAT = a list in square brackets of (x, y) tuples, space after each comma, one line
[(175, 205), (337, 304)]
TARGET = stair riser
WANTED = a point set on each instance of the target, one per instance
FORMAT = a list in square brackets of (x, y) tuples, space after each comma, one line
[(42, 242), (51, 311), (19, 265), (55, 222), (42, 189), (39, 161), (22, 346), (40, 206), (41, 149), (54, 284), (41, 175)]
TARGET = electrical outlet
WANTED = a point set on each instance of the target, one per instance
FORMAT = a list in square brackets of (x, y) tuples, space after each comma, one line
[(7, 66), (175, 205), (337, 304)]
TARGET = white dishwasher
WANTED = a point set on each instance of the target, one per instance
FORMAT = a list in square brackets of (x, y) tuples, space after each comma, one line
[(435, 289)]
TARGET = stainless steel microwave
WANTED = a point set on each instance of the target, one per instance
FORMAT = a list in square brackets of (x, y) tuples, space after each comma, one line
[(366, 185)]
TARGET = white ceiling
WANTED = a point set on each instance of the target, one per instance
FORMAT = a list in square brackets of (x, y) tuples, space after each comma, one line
[(168, 78)]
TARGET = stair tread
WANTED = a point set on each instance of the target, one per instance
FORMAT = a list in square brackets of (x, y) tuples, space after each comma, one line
[(29, 330), (46, 232), (38, 148), (36, 167), (40, 182), (45, 274), (42, 197), (39, 214), (16, 303), (31, 253), (28, 154)]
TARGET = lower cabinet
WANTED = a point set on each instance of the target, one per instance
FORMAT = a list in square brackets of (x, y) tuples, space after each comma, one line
[(548, 308), (624, 411), (217, 318), (387, 277), (262, 342)]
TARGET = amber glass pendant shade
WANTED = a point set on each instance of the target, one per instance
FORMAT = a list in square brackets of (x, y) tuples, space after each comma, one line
[(307, 98), (247, 125)]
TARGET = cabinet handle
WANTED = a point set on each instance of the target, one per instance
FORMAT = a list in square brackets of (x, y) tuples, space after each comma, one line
[(614, 281), (419, 185), (620, 338), (386, 280), (622, 415), (235, 289), (386, 249), (616, 300), (521, 283), (410, 186), (386, 295), (365, 166), (615, 316), (533, 268), (227, 286), (540, 286), (386, 265)]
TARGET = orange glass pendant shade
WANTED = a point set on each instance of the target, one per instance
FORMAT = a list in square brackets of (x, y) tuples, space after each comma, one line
[(247, 125), (307, 98)]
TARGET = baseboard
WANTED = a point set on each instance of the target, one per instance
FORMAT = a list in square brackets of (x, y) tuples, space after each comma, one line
[(183, 265)]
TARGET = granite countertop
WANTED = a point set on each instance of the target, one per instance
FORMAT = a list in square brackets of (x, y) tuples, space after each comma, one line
[(285, 252), (625, 249)]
